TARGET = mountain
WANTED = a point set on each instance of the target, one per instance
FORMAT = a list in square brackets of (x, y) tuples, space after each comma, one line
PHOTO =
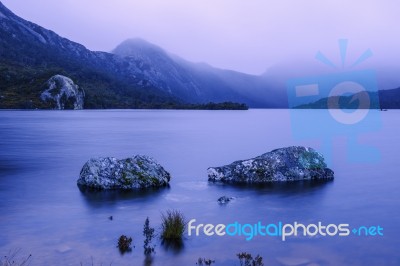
[(389, 99), (136, 74), (383, 99), (30, 55), (196, 82)]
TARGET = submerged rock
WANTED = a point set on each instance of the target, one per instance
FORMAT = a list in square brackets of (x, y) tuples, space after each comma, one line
[(280, 165), (63, 248), (62, 93), (225, 199), (132, 173)]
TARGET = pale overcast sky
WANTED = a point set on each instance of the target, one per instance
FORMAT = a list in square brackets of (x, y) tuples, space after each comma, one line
[(247, 36)]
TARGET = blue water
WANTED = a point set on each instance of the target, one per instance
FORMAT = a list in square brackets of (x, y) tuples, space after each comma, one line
[(44, 213)]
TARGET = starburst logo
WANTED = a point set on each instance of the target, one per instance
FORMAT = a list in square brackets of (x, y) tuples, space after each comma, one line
[(343, 44), (346, 99)]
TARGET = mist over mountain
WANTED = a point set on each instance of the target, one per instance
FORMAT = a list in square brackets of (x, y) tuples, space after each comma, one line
[(386, 73), (137, 74), (196, 82)]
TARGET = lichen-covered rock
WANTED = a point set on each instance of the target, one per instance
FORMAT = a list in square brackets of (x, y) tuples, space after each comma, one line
[(62, 93), (280, 165), (132, 173)]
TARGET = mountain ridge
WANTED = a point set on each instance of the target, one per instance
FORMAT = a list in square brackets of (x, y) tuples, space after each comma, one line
[(30, 55), (136, 74), (382, 99), (198, 82)]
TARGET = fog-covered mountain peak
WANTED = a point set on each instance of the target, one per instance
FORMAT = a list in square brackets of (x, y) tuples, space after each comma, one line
[(137, 46)]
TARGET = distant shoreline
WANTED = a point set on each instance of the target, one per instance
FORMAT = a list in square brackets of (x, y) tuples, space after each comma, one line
[(187, 109)]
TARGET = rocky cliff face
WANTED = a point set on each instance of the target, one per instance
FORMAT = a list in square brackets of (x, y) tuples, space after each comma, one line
[(280, 165), (62, 93)]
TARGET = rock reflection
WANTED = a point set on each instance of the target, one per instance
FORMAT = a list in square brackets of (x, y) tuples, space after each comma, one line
[(100, 198)]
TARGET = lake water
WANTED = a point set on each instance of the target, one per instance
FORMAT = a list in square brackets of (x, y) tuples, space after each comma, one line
[(44, 213)]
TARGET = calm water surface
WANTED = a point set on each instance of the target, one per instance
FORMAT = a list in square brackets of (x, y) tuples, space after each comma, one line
[(44, 213)]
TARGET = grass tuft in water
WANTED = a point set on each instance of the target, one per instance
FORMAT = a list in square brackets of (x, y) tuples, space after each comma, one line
[(124, 244), (173, 225)]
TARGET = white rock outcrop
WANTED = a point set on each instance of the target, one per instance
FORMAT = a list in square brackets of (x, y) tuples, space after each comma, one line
[(63, 93)]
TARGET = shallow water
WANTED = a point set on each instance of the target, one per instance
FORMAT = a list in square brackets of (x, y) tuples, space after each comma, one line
[(45, 214)]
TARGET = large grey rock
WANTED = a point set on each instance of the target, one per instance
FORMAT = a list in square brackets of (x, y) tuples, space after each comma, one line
[(63, 93), (132, 173), (285, 164)]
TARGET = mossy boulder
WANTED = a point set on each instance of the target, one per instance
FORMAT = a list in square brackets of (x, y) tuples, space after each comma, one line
[(280, 165), (137, 172)]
